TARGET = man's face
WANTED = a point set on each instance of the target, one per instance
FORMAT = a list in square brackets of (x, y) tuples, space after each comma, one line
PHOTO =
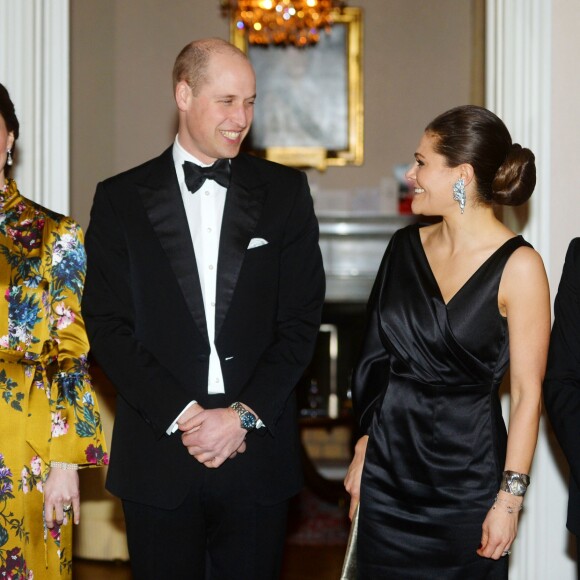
[(213, 123)]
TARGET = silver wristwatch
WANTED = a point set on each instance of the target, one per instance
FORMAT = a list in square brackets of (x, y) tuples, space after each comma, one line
[(514, 483), (247, 420)]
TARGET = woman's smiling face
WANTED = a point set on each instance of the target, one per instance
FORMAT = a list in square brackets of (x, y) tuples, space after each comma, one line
[(432, 179)]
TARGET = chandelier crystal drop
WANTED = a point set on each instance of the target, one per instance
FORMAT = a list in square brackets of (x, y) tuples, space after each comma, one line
[(296, 22)]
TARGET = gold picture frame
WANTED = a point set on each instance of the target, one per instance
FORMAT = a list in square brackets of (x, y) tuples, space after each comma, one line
[(309, 109)]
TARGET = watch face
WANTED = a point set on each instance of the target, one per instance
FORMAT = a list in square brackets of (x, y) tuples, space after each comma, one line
[(248, 420)]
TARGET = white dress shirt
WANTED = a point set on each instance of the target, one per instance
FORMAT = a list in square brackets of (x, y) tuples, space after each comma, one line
[(204, 210)]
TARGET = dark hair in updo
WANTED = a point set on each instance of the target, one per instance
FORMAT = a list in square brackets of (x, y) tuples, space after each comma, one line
[(505, 172), (9, 116), (7, 112)]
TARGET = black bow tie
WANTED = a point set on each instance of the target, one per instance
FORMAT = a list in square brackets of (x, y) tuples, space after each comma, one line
[(196, 175)]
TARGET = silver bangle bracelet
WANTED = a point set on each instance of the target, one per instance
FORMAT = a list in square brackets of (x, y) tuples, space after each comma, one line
[(514, 483), (62, 465)]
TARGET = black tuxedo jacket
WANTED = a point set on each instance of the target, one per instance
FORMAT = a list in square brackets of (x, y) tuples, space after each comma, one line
[(145, 318), (562, 383)]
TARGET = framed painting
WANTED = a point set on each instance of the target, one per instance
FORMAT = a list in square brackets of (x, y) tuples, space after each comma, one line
[(309, 109)]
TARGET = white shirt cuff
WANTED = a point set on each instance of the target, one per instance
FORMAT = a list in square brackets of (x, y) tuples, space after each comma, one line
[(173, 427)]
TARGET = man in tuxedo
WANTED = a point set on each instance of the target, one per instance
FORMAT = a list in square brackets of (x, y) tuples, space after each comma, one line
[(202, 302), (562, 382)]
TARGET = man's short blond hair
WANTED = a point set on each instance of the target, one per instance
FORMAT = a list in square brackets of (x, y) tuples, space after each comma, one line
[(192, 62)]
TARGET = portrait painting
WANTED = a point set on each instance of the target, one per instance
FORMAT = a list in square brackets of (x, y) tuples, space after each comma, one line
[(302, 94), (309, 107)]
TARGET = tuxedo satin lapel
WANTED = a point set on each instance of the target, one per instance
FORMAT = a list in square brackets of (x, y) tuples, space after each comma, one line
[(162, 200), (243, 207)]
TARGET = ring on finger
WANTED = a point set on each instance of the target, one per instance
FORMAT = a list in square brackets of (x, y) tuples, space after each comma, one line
[(66, 507), (506, 553)]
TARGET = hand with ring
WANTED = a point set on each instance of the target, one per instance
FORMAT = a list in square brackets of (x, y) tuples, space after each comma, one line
[(500, 527), (61, 497)]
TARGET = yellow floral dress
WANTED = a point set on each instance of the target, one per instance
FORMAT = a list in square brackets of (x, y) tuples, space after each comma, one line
[(48, 409)]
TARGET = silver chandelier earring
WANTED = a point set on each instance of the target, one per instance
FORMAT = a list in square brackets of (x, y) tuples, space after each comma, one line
[(459, 193), (9, 160)]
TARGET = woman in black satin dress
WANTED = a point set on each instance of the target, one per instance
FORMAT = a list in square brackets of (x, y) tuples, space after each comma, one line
[(439, 479)]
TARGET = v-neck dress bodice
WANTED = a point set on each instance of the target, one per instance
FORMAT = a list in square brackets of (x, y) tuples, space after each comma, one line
[(426, 389)]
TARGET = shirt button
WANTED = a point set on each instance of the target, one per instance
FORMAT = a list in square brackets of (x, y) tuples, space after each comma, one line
[(209, 230), (213, 304), (217, 380), (211, 267), (207, 192)]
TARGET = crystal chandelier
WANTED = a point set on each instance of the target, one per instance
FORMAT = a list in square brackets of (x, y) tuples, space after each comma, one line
[(297, 22)]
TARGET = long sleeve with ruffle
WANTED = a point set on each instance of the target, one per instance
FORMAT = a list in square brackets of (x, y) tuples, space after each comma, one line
[(41, 328), (76, 430)]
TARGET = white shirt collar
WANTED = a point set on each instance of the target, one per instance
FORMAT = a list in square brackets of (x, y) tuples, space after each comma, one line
[(180, 155)]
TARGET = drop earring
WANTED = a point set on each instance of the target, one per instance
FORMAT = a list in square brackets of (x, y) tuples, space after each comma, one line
[(459, 193), (9, 160)]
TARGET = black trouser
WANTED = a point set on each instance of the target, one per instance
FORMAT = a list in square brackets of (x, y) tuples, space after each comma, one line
[(212, 535)]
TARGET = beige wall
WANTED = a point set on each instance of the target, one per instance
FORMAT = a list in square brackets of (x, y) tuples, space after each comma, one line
[(565, 118), (417, 62)]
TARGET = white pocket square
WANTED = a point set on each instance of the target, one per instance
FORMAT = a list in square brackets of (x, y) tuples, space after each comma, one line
[(256, 243)]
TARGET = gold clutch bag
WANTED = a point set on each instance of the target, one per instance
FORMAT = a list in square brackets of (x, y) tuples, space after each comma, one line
[(349, 565)]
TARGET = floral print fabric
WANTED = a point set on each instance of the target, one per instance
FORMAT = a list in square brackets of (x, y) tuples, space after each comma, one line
[(48, 409)]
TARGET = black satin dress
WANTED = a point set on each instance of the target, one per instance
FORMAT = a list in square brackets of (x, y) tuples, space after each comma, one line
[(426, 391)]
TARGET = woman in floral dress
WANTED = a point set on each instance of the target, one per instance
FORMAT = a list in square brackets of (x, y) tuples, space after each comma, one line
[(49, 418)]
